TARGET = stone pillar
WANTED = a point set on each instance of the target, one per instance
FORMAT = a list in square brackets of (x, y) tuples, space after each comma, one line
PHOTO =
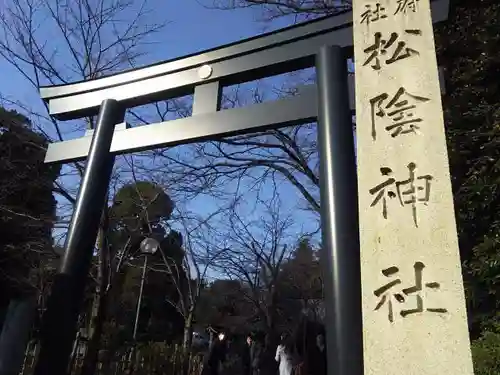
[(414, 316), (15, 334)]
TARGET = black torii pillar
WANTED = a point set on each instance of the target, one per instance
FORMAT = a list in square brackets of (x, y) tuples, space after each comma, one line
[(320, 42), (63, 305)]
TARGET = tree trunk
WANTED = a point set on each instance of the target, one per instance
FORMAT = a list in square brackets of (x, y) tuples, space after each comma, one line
[(187, 342), (271, 337), (93, 346), (74, 351)]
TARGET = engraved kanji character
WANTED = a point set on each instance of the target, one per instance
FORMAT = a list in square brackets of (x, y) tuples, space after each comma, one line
[(411, 196), (373, 14), (415, 189), (382, 191), (417, 288), (404, 5), (387, 297), (399, 109), (381, 46)]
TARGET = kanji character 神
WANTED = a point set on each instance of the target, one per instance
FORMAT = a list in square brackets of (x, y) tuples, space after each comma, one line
[(409, 196)]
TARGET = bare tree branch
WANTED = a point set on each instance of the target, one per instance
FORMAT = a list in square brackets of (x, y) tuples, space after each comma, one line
[(273, 9)]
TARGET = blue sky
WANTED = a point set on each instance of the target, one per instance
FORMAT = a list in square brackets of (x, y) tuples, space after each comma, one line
[(191, 28)]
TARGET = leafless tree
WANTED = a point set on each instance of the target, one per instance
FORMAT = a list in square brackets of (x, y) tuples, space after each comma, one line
[(256, 247), (52, 42), (249, 163), (191, 274), (298, 9), (256, 160)]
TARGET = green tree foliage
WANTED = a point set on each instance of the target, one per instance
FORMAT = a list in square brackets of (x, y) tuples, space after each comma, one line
[(27, 206), (486, 353), (138, 205), (468, 49), (159, 320), (139, 210)]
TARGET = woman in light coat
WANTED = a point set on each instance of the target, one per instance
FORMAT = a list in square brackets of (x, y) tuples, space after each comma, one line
[(284, 356)]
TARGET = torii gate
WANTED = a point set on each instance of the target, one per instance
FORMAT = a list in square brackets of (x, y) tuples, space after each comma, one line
[(325, 43)]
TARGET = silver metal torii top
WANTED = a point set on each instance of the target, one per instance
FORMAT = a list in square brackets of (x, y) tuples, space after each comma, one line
[(205, 74), (276, 52)]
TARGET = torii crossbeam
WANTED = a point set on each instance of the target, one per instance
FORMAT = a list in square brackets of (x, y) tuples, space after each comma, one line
[(325, 43)]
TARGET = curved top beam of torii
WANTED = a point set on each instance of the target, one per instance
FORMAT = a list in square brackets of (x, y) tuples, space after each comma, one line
[(273, 53)]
